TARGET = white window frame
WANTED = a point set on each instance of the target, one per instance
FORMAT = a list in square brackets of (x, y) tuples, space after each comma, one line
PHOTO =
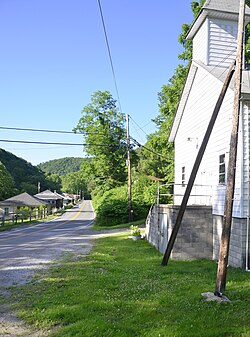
[(183, 175), (222, 173)]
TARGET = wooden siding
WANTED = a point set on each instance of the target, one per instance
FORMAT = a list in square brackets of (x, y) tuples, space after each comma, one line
[(200, 44), (199, 107), (222, 42)]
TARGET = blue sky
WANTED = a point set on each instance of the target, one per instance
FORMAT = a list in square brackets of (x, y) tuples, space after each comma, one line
[(54, 56)]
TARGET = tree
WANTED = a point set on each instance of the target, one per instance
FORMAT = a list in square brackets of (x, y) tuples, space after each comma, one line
[(247, 40), (162, 165), (6, 183), (74, 183), (53, 181), (62, 166), (186, 55), (102, 125), (23, 173)]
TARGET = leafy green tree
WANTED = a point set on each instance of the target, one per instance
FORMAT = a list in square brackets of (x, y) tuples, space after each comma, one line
[(186, 55), (162, 165), (247, 40), (74, 183), (102, 125), (28, 187), (6, 183), (111, 207), (53, 181), (160, 161)]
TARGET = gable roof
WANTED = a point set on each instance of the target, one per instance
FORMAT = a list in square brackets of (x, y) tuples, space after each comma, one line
[(230, 6), (217, 72), (224, 9), (48, 195), (23, 199), (221, 74), (183, 100)]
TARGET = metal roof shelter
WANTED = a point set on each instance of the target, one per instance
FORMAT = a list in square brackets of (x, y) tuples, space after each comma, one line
[(48, 195), (23, 199)]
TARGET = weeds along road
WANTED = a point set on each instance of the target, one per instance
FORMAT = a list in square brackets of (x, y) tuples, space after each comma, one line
[(25, 250)]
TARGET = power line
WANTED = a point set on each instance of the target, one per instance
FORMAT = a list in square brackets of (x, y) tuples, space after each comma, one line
[(139, 126), (137, 131), (122, 158), (109, 52), (55, 143), (48, 131), (146, 148)]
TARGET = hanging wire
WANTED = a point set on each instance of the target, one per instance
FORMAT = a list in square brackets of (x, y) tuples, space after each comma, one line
[(109, 53), (56, 143), (48, 131)]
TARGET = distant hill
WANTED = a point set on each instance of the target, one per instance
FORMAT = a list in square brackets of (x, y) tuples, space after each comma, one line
[(25, 176), (62, 166)]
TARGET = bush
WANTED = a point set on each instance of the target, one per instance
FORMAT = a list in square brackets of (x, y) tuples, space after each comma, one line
[(112, 207)]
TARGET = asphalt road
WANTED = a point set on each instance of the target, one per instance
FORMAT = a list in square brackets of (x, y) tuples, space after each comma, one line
[(25, 250)]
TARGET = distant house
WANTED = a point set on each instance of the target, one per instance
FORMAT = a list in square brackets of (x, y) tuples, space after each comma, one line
[(53, 199), (13, 205), (68, 199)]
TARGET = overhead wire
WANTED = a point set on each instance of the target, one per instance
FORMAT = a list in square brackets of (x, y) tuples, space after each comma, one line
[(146, 148), (138, 126), (70, 132), (115, 169), (48, 131), (117, 92), (56, 143), (122, 158), (109, 53)]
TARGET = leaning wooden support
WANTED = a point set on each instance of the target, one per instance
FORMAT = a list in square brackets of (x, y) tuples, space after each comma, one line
[(196, 166)]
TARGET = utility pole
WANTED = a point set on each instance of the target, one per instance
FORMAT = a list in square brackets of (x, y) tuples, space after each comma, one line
[(227, 219), (130, 211)]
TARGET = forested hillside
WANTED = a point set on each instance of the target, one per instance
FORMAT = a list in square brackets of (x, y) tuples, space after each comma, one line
[(62, 166), (17, 176)]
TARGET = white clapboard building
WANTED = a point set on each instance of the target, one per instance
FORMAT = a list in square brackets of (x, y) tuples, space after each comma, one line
[(214, 36)]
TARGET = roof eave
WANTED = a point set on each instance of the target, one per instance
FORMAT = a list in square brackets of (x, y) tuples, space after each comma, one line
[(205, 12), (183, 100)]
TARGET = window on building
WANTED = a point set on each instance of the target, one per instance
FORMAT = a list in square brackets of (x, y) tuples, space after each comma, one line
[(183, 176), (222, 169), (6, 211)]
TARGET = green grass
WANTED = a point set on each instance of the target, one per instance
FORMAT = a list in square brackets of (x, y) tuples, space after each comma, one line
[(122, 290), (124, 225)]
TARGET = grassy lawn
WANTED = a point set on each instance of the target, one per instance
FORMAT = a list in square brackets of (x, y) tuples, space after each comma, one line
[(121, 289), (140, 223)]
